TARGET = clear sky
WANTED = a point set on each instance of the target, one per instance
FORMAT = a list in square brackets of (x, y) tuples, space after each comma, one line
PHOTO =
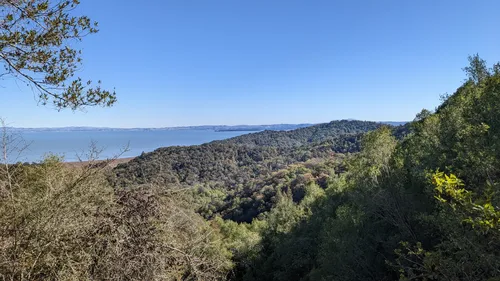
[(194, 62)]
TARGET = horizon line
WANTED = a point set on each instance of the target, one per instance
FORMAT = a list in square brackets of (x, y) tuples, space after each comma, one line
[(205, 125)]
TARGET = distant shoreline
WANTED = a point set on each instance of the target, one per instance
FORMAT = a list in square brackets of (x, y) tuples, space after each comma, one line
[(112, 164), (216, 128), (238, 130), (180, 128)]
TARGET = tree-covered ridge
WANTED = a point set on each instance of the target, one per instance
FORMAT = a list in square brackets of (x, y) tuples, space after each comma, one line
[(302, 136), (237, 160)]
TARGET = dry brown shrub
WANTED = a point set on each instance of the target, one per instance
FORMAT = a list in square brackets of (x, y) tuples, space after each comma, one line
[(48, 215), (67, 222)]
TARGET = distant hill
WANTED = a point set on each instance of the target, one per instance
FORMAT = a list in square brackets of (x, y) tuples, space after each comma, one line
[(306, 135), (229, 162), (394, 123)]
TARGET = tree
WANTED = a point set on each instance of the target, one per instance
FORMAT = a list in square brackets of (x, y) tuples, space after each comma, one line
[(36, 47), (477, 70), (422, 115), (496, 69)]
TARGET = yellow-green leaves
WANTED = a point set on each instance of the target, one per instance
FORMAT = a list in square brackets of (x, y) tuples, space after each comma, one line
[(480, 213), (449, 189)]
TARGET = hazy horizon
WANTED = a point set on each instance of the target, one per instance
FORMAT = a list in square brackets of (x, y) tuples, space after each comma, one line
[(203, 125)]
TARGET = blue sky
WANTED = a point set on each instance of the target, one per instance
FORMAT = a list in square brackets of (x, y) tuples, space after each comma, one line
[(194, 62)]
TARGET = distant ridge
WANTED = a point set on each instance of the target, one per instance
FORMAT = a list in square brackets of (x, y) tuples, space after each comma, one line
[(217, 128), (228, 162), (394, 123)]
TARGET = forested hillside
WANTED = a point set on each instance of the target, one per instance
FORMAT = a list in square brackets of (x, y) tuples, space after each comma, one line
[(424, 208), (234, 160), (347, 200), (240, 166)]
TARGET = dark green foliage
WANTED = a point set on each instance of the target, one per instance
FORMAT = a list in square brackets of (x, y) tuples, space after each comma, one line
[(311, 134)]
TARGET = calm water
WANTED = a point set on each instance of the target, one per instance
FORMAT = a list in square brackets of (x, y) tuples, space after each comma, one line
[(71, 144)]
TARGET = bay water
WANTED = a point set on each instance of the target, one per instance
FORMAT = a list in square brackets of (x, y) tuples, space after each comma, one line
[(74, 144)]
